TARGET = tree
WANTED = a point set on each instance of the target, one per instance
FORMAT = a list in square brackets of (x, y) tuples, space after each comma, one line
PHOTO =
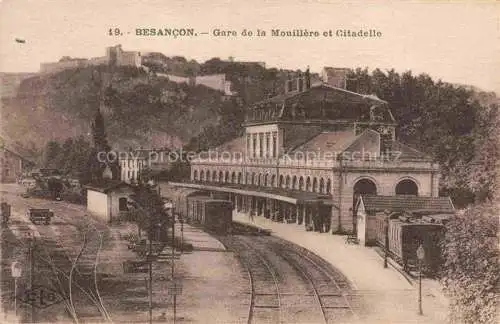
[(471, 270), (99, 133), (147, 209), (99, 158), (52, 155)]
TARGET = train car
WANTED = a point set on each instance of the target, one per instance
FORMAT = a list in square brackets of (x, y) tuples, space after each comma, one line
[(214, 215), (405, 234)]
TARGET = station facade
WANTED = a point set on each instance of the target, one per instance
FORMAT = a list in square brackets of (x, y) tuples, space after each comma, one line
[(308, 154)]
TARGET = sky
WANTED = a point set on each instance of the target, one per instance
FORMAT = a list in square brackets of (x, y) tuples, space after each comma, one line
[(457, 42)]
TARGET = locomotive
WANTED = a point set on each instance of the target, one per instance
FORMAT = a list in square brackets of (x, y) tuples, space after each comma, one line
[(406, 232)]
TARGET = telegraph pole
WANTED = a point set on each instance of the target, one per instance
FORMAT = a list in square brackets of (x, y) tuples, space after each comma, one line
[(421, 258), (386, 238), (173, 260), (150, 278), (31, 239)]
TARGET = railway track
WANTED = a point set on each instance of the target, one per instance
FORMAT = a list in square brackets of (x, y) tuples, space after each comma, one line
[(299, 288), (72, 272), (328, 286), (265, 298)]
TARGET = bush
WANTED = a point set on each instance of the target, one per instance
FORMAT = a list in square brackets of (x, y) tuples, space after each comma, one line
[(74, 198), (470, 272)]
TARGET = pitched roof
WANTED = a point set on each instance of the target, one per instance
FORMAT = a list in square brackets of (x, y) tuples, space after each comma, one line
[(328, 142), (325, 86), (408, 152), (107, 186), (375, 203)]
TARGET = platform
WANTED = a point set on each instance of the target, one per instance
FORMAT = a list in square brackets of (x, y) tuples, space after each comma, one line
[(389, 297), (201, 240)]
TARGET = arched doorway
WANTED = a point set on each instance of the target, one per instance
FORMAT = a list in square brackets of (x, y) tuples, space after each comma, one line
[(361, 187), (407, 187)]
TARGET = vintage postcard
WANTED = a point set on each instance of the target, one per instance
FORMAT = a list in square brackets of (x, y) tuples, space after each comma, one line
[(249, 161)]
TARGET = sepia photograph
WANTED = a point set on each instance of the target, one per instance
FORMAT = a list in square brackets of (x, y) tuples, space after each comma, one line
[(247, 162)]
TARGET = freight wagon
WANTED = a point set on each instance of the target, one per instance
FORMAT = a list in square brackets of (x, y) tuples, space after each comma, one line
[(214, 215), (197, 207), (405, 233)]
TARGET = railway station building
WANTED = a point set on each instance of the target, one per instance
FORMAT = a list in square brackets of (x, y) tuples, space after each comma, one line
[(308, 154)]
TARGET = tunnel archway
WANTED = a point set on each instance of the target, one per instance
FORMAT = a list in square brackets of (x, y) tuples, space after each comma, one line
[(407, 187)]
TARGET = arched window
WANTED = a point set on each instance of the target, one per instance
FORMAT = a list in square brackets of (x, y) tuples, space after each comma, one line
[(226, 178), (301, 183), (322, 185), (214, 176), (407, 187), (287, 182), (281, 182), (240, 176), (266, 183), (329, 186), (254, 181), (202, 175), (273, 180), (221, 176), (308, 184), (195, 175), (365, 187), (294, 182), (315, 185), (233, 177)]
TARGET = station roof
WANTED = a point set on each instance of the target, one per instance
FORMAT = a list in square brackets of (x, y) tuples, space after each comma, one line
[(286, 195)]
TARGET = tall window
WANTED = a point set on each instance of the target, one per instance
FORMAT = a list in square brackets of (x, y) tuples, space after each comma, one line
[(248, 144), (254, 148), (275, 146), (267, 144), (261, 146)]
